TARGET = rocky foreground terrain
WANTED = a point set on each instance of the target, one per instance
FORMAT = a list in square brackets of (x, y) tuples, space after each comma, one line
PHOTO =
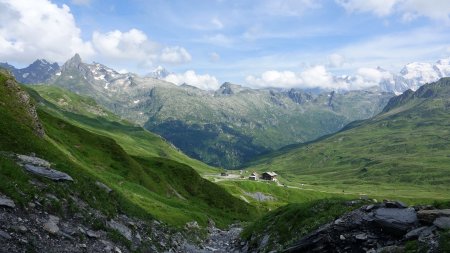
[(385, 227), (50, 224)]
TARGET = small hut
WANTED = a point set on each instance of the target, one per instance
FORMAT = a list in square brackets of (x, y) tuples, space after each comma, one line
[(271, 176)]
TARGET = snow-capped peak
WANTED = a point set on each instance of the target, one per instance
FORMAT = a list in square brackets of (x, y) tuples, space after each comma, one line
[(415, 74), (159, 73)]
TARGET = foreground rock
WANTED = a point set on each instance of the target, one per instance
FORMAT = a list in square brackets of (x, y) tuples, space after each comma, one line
[(428, 216), (6, 202), (48, 173), (51, 225), (41, 167), (384, 227)]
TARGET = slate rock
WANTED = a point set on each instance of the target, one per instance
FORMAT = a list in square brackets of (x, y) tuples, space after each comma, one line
[(122, 229), (4, 235), (48, 173), (396, 221), (51, 225), (103, 187), (415, 233), (395, 204), (4, 201), (361, 236), (33, 161), (428, 216), (442, 222), (92, 234)]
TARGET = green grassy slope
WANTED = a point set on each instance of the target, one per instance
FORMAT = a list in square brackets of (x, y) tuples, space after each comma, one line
[(281, 195), (402, 152), (142, 186), (86, 113)]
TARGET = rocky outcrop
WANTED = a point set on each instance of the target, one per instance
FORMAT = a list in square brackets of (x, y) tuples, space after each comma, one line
[(25, 100), (41, 167), (377, 228)]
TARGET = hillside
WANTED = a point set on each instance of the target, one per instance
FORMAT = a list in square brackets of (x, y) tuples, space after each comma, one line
[(223, 128), (142, 186), (86, 113), (401, 152)]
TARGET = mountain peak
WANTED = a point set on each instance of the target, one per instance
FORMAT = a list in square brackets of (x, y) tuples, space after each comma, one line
[(228, 88), (76, 59), (159, 73), (73, 62)]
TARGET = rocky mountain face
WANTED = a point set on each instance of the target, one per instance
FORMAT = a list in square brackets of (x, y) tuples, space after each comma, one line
[(39, 71), (23, 104)]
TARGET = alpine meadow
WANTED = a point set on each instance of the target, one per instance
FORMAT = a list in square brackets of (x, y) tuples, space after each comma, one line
[(224, 126)]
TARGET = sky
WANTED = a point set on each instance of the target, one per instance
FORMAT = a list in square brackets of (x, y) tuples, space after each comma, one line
[(257, 43)]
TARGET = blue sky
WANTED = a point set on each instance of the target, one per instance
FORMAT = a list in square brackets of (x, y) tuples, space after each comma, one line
[(252, 42)]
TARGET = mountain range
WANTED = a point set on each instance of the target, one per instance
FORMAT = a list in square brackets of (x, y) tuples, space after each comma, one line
[(234, 124), (404, 149)]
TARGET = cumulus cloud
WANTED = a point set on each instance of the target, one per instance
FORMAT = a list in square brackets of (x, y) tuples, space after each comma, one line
[(373, 75), (204, 82), (318, 77), (408, 9), (135, 45), (335, 60), (175, 55), (39, 29), (313, 77)]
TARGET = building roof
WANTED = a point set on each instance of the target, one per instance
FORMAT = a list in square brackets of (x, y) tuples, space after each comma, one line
[(271, 173)]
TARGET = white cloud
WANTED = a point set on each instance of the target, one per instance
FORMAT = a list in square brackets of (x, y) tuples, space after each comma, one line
[(336, 60), (372, 75), (214, 57), (134, 45), (175, 55), (408, 9), (380, 8), (318, 77), (204, 82), (217, 23), (391, 50), (313, 77), (39, 29)]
